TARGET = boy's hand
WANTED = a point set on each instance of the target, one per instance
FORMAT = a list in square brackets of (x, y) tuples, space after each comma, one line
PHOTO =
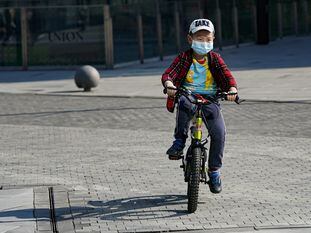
[(170, 92), (232, 90)]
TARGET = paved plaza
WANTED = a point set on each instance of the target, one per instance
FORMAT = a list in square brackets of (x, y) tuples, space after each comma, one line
[(105, 159)]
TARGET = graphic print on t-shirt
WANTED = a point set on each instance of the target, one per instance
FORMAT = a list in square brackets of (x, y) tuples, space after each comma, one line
[(199, 78)]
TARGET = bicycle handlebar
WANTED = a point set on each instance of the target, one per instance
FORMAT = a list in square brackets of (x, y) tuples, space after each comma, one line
[(187, 93)]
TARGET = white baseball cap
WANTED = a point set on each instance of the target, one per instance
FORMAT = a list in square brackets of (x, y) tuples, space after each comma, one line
[(201, 24)]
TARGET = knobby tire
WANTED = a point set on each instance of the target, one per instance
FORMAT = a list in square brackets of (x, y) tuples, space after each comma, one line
[(194, 180)]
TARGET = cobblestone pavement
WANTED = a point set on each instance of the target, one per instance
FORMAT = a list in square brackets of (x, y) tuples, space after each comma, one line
[(105, 159)]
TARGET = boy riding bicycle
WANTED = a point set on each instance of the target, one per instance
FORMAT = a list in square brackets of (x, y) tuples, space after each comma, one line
[(204, 72)]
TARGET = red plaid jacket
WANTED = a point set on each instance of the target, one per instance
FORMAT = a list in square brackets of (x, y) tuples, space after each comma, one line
[(178, 70)]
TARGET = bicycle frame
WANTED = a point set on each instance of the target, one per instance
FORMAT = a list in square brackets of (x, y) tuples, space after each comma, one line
[(194, 164), (197, 141), (197, 135)]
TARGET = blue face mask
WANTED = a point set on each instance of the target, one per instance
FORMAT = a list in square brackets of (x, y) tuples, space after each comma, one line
[(201, 48)]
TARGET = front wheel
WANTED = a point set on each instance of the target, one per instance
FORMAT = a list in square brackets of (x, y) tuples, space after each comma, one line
[(194, 180)]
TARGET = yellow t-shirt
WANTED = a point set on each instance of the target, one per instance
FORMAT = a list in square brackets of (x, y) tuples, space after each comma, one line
[(199, 78)]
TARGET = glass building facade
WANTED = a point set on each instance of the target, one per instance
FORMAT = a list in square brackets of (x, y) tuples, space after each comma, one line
[(72, 32)]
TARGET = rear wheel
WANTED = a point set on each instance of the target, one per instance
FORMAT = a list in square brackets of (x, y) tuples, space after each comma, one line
[(194, 180)]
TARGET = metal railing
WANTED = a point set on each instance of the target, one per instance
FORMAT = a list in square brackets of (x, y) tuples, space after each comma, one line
[(104, 35)]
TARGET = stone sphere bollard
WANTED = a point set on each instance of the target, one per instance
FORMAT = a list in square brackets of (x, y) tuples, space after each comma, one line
[(87, 77)]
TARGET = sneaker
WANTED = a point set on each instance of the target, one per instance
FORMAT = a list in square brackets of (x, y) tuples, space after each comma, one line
[(214, 182), (176, 150)]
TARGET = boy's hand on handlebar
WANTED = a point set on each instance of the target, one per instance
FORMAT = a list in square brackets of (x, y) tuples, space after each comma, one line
[(232, 97), (170, 88)]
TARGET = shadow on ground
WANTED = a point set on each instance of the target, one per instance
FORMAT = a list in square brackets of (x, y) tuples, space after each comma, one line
[(144, 208), (125, 209)]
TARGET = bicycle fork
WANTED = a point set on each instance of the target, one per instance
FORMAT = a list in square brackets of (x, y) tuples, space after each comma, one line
[(196, 141)]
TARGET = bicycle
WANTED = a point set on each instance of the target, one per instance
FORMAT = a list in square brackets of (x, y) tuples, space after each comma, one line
[(194, 164)]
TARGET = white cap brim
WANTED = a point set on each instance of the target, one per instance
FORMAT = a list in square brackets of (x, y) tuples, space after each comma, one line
[(194, 30)]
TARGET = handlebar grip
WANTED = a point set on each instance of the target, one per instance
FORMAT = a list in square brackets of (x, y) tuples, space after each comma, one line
[(237, 98), (171, 88)]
